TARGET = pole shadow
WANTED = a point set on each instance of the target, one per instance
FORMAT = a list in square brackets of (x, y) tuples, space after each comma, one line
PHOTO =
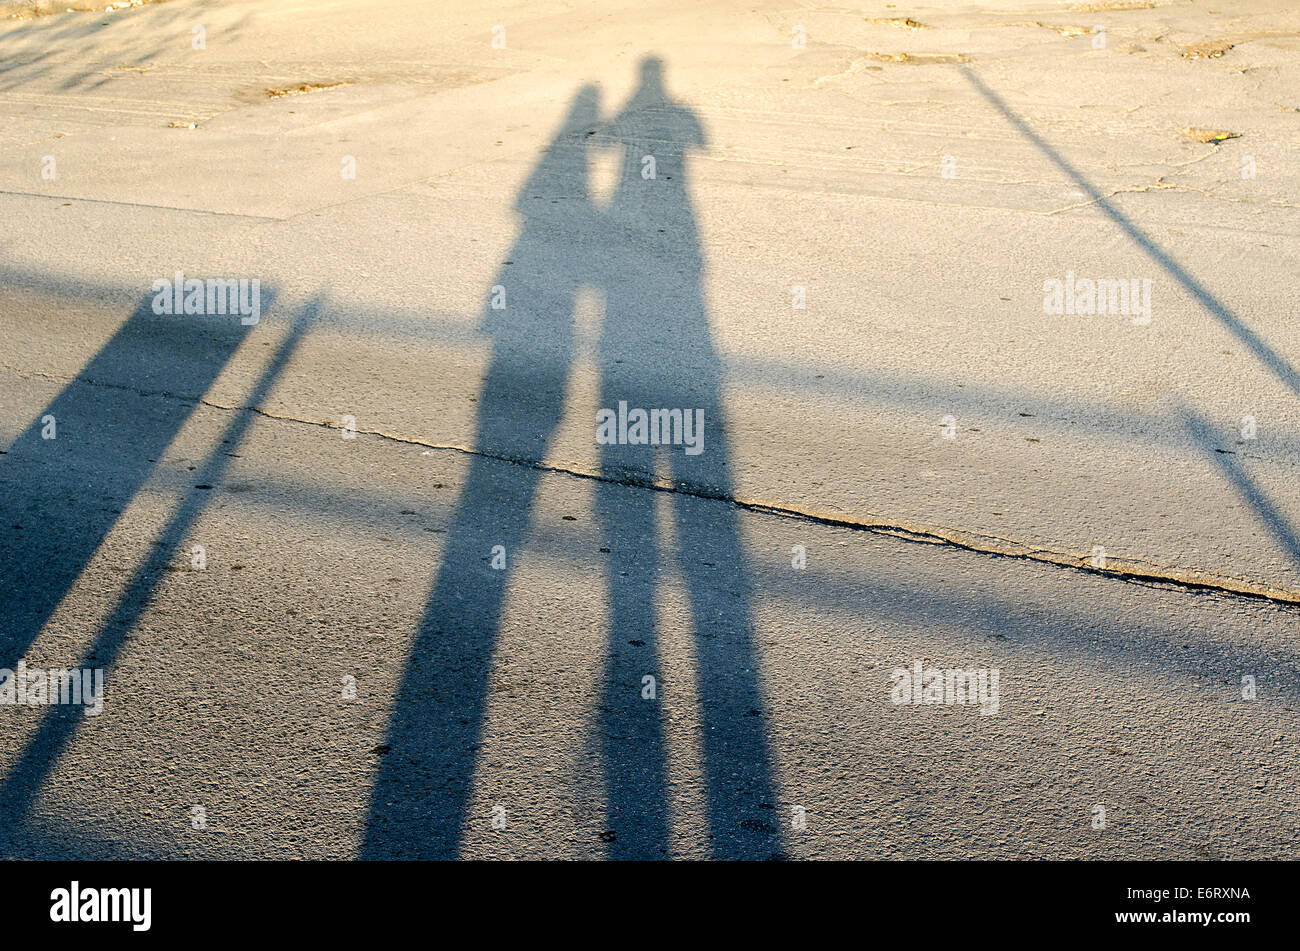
[(67, 478), (1276, 362), (59, 724), (149, 355), (1236, 472)]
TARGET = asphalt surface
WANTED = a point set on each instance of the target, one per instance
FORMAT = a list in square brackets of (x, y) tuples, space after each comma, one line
[(429, 598)]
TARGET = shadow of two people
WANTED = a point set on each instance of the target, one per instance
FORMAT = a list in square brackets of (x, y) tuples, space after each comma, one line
[(642, 253)]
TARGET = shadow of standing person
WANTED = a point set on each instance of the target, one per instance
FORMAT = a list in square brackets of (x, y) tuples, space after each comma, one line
[(420, 796), (656, 352)]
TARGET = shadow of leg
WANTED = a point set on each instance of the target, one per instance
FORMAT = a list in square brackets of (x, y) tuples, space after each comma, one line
[(743, 812), (419, 804), (632, 721)]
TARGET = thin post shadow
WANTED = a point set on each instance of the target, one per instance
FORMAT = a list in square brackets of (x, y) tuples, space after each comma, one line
[(656, 352), (37, 761), (1276, 363), (62, 495), (1230, 465)]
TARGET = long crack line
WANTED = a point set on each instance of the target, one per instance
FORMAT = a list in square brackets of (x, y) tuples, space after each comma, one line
[(1131, 570)]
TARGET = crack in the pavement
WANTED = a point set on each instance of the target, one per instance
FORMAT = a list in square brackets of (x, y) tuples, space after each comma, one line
[(1161, 185), (137, 204), (1127, 569)]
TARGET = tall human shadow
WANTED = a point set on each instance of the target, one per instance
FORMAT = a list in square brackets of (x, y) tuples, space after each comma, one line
[(419, 800), (656, 352)]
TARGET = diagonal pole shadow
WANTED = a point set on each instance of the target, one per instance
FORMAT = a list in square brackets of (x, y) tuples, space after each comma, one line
[(62, 495), (37, 760), (1274, 361), (1230, 465)]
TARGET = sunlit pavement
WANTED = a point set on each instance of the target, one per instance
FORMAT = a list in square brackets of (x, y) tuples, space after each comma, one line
[(365, 577)]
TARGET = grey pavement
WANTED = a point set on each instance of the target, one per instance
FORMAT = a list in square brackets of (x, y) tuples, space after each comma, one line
[(434, 616)]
